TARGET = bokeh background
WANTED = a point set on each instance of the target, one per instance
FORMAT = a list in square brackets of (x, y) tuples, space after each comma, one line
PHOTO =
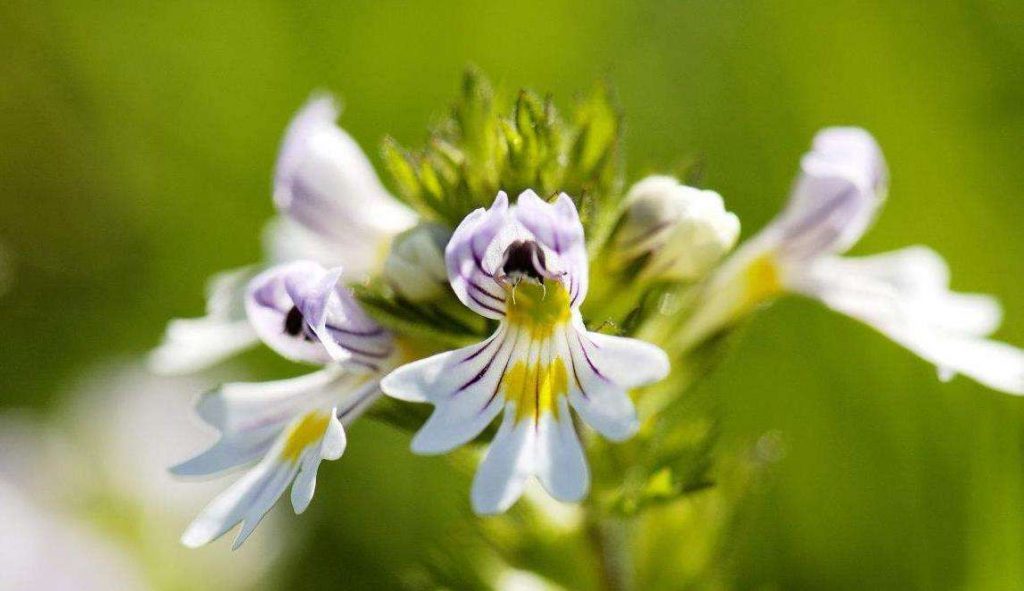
[(136, 146)]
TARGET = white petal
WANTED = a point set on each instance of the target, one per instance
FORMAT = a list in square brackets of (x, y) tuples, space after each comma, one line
[(193, 344), (603, 369), (561, 464), (331, 448), (463, 384), (249, 498), (509, 463), (912, 307), (324, 181), (251, 415), (285, 240), (233, 505), (630, 363), (473, 282), (842, 183), (557, 227)]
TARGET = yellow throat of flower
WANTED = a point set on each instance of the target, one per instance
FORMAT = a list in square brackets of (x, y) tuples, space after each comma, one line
[(538, 309), (536, 383), (307, 431), (762, 279)]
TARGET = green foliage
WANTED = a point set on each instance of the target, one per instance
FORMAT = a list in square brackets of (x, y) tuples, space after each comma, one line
[(489, 144)]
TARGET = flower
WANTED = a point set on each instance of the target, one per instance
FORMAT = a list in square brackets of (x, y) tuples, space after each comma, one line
[(415, 266), (299, 310), (904, 294), (526, 267), (324, 183), (334, 210), (684, 230)]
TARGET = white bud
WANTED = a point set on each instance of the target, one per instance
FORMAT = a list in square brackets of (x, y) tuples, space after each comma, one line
[(684, 230), (415, 266)]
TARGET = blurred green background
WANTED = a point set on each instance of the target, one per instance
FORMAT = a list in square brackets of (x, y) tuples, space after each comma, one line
[(136, 146)]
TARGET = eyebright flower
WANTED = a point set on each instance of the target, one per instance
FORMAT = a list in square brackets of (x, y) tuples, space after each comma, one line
[(334, 210), (685, 231), (289, 426), (526, 267), (324, 183), (903, 294)]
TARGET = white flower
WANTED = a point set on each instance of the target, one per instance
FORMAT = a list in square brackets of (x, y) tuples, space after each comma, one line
[(903, 294), (192, 344), (325, 183), (685, 230), (415, 266), (289, 426), (335, 211), (526, 267)]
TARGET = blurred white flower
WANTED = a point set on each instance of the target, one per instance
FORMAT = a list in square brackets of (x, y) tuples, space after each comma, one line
[(415, 266), (46, 549), (324, 182), (904, 294), (102, 460), (334, 211), (685, 231)]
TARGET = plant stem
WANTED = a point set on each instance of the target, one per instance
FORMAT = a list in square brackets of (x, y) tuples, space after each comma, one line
[(610, 539)]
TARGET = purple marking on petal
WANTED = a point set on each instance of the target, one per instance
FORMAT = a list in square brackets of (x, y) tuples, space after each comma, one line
[(473, 284), (485, 306), (586, 356), (575, 372), (483, 370), (497, 386), (825, 210), (483, 347), (375, 332)]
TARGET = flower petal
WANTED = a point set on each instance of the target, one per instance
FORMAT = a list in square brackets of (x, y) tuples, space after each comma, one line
[(193, 344), (557, 227), (603, 369), (324, 181), (509, 463), (250, 416), (332, 446), (843, 182), (248, 500), (474, 284), (463, 384), (285, 240), (561, 464), (268, 305), (300, 310), (904, 296)]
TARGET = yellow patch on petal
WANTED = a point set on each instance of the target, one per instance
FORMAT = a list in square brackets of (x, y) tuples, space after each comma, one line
[(307, 431), (538, 309), (762, 279), (536, 387)]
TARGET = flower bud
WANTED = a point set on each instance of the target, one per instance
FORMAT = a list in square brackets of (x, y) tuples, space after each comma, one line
[(682, 230), (415, 266)]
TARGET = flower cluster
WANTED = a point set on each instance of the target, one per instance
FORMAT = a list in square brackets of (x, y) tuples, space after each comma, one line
[(365, 285)]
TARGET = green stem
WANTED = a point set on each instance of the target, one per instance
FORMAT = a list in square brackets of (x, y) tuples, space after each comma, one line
[(609, 538)]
